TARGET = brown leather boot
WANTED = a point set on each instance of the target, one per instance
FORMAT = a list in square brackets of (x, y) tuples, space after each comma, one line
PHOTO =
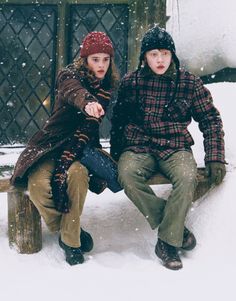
[(189, 240), (169, 255)]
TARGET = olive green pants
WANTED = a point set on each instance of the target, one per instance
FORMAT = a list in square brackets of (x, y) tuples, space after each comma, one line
[(41, 195), (168, 215)]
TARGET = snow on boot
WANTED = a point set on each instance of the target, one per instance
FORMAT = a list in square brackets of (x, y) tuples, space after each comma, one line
[(169, 255)]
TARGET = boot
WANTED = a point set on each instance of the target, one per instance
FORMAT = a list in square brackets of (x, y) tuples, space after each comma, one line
[(73, 255), (189, 240), (169, 255), (86, 241)]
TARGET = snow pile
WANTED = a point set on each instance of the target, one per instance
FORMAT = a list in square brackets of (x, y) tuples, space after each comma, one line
[(203, 32)]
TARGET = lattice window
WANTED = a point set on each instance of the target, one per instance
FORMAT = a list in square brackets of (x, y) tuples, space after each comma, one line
[(28, 39), (27, 69), (109, 18)]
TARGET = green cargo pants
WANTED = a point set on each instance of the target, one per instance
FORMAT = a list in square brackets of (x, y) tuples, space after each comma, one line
[(41, 195), (168, 215)]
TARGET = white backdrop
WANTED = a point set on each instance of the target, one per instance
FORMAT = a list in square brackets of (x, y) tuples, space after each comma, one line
[(204, 33)]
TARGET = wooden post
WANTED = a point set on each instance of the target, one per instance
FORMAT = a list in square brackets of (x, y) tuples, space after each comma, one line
[(24, 223)]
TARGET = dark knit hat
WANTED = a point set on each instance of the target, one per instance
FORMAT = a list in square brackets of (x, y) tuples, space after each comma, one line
[(96, 42), (157, 38)]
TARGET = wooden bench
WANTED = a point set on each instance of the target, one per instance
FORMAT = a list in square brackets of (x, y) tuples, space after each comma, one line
[(24, 221)]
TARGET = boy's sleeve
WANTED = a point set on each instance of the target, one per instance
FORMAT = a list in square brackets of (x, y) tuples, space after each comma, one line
[(210, 123)]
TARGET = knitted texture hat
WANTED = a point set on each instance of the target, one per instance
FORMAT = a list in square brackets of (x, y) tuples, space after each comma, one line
[(157, 38), (96, 42)]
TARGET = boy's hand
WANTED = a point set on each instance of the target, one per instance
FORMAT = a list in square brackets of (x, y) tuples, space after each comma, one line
[(216, 171), (94, 109)]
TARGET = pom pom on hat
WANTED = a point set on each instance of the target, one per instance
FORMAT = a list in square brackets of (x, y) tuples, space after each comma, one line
[(96, 42)]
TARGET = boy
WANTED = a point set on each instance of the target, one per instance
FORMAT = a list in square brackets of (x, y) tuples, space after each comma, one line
[(149, 133)]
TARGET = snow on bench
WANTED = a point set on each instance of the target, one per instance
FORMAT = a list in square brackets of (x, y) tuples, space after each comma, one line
[(24, 221)]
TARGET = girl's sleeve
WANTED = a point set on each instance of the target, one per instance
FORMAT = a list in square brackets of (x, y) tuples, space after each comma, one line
[(69, 87)]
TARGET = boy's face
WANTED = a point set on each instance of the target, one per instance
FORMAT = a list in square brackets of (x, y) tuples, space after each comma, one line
[(159, 60)]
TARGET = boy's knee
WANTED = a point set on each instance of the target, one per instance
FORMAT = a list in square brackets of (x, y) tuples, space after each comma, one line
[(129, 176), (187, 177), (125, 172)]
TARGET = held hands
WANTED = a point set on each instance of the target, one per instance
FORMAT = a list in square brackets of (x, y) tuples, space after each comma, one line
[(94, 109), (216, 171)]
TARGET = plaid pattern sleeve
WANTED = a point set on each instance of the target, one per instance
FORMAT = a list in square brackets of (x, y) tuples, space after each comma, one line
[(210, 123)]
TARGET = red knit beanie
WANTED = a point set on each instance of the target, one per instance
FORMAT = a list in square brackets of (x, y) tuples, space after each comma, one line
[(96, 42)]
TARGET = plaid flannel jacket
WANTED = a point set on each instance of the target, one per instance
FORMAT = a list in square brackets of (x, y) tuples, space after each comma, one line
[(146, 117)]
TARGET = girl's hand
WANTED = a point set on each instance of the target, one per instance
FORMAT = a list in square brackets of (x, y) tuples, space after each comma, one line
[(94, 109)]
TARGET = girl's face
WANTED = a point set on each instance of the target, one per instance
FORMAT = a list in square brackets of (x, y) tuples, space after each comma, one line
[(99, 64), (159, 60)]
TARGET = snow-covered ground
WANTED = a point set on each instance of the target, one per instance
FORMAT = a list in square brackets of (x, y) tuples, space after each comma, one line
[(123, 265)]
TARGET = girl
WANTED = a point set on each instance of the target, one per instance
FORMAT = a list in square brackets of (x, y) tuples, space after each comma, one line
[(64, 158)]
